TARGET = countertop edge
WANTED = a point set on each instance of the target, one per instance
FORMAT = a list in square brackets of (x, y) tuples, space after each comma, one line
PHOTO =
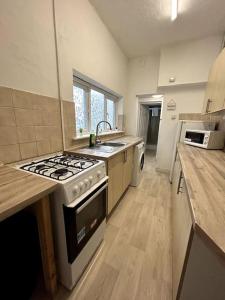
[(13, 209), (196, 226), (9, 205)]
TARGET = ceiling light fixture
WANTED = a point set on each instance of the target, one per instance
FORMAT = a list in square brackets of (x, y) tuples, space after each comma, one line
[(174, 7)]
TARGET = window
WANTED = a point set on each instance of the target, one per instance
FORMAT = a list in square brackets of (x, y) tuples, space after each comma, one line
[(81, 112), (111, 112), (97, 109), (93, 105)]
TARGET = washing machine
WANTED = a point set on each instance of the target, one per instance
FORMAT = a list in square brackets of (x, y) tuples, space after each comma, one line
[(139, 158)]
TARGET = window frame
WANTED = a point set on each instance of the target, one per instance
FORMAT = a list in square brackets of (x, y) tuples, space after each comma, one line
[(87, 87)]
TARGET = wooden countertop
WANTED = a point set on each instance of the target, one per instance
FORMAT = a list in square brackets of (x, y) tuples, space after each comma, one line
[(19, 189), (204, 174), (129, 140)]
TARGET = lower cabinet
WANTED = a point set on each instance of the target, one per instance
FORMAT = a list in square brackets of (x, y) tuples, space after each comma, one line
[(182, 224), (120, 173), (198, 272)]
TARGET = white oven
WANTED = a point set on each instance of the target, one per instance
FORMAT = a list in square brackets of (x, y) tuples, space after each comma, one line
[(79, 230), (78, 209)]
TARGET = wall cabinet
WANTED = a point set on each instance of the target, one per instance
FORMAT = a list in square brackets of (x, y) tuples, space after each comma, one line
[(120, 173), (215, 90)]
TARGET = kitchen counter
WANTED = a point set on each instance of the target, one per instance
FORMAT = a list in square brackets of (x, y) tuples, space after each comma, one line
[(204, 174), (19, 189), (91, 152)]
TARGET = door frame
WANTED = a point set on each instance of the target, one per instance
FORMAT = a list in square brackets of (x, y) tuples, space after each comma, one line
[(147, 100)]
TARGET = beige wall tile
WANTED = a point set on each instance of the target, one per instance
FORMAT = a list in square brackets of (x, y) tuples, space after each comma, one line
[(9, 153), (7, 117), (68, 113), (51, 104), (24, 117), (43, 147), (38, 102), (45, 103), (42, 132), (37, 117), (5, 96), (26, 134), (22, 99), (56, 144), (55, 131), (28, 150), (8, 135), (51, 118)]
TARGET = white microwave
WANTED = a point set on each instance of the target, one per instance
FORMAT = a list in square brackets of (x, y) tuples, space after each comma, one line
[(205, 138)]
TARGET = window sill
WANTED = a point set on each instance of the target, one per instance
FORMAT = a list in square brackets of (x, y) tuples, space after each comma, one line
[(106, 133)]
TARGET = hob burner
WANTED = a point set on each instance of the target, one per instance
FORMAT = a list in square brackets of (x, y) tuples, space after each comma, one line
[(62, 171), (41, 166)]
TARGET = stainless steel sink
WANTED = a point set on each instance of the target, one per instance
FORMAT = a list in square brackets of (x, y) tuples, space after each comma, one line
[(104, 148), (107, 147), (113, 144)]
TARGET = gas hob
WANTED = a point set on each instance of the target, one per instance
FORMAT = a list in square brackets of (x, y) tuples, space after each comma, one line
[(76, 175), (60, 167)]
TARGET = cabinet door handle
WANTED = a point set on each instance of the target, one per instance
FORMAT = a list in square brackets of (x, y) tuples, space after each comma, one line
[(207, 106), (179, 187)]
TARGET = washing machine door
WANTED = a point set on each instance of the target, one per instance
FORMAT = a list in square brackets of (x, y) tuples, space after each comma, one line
[(142, 161)]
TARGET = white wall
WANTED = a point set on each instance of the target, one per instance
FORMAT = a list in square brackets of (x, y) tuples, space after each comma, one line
[(188, 62), (142, 79), (27, 51), (143, 76), (86, 45), (188, 100)]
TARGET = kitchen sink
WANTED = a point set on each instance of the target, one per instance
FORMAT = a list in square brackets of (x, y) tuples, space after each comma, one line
[(107, 147), (113, 144), (104, 148)]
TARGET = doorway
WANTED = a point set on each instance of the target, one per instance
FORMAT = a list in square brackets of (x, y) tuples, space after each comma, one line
[(150, 115)]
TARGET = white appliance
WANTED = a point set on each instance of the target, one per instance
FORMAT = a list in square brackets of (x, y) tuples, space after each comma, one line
[(180, 136), (205, 138), (139, 158), (78, 210)]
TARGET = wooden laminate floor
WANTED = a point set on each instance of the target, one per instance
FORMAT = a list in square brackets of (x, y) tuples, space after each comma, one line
[(134, 261)]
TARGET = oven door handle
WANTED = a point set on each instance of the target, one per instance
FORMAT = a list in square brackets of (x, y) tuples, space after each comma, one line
[(91, 199)]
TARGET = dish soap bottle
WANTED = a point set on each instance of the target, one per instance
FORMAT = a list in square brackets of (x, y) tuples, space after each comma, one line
[(91, 139)]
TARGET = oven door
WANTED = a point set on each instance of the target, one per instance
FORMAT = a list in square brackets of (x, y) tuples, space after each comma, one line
[(82, 220)]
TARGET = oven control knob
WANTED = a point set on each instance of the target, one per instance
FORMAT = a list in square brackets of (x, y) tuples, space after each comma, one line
[(76, 190), (90, 179), (86, 182), (99, 174), (81, 185)]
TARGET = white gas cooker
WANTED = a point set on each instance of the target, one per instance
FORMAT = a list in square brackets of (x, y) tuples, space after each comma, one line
[(78, 209)]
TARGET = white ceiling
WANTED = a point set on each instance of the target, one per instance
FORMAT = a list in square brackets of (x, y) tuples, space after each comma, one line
[(140, 26)]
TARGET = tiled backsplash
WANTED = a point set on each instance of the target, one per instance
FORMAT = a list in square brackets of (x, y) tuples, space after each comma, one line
[(68, 113), (199, 117), (30, 125)]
